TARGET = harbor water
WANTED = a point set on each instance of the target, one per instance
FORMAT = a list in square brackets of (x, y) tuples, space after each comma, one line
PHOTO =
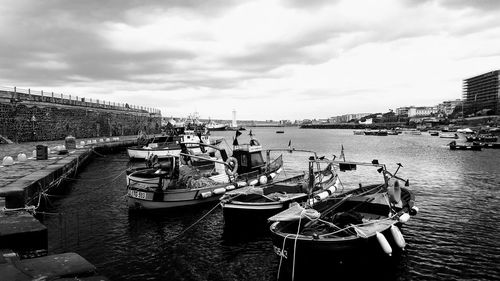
[(453, 237)]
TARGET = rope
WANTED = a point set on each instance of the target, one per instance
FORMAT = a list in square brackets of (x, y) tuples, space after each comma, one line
[(295, 248), (90, 180), (282, 254), (99, 154), (200, 219)]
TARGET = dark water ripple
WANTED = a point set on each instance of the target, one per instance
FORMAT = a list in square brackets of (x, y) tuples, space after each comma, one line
[(454, 236)]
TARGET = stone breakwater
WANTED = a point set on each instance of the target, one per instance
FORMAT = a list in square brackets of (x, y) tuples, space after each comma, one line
[(26, 117), (23, 182)]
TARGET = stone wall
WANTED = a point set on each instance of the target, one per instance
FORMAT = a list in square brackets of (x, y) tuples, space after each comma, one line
[(26, 117)]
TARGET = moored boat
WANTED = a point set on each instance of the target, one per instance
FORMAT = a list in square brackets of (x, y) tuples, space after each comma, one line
[(448, 136), (171, 146), (376, 132), (254, 205), (494, 145), (474, 146), (414, 132), (214, 126), (433, 133), (362, 221), (181, 182), (482, 138)]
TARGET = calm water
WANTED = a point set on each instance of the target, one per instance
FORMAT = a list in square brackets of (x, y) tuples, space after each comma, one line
[(455, 236)]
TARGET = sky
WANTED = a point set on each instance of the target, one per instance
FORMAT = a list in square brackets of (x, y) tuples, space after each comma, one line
[(265, 59)]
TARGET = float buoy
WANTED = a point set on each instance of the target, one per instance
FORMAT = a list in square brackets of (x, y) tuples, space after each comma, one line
[(384, 243), (263, 180), (21, 157), (7, 161), (241, 183), (206, 194), (253, 182), (413, 211), (404, 218), (220, 190), (398, 237), (233, 163)]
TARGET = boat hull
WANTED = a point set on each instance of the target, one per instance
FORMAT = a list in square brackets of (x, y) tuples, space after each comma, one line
[(139, 199), (139, 153), (465, 147), (240, 213), (309, 250), (314, 245)]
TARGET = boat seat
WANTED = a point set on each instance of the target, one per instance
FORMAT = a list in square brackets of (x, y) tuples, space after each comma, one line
[(284, 188)]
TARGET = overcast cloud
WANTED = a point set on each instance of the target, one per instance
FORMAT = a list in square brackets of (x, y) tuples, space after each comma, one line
[(267, 59)]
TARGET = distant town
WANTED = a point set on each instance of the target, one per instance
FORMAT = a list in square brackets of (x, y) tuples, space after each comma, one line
[(480, 104)]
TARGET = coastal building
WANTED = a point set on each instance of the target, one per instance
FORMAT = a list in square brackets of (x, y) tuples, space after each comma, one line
[(447, 107), (416, 111), (481, 94), (347, 117), (402, 110)]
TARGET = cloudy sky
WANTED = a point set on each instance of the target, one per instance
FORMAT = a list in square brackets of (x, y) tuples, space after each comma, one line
[(267, 59)]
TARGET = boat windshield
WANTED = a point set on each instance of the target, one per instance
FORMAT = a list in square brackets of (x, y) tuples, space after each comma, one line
[(256, 159)]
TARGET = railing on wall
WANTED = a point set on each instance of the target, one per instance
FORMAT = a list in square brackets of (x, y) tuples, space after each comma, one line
[(81, 101)]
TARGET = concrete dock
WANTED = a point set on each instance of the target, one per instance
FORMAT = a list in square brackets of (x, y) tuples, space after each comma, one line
[(22, 182)]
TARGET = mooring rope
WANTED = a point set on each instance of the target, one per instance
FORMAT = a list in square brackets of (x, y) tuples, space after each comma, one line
[(196, 222)]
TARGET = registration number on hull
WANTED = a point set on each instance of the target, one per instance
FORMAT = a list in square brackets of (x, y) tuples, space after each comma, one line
[(137, 194)]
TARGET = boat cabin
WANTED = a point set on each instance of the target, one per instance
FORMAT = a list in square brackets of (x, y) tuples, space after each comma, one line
[(249, 158)]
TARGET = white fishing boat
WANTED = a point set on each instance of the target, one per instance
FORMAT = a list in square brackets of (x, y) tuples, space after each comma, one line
[(253, 205), (181, 182), (172, 146), (214, 126), (448, 135)]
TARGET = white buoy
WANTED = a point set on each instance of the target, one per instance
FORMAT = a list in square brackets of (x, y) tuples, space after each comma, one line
[(206, 194), (101, 140), (88, 142), (384, 243), (263, 180), (7, 161), (230, 187), (398, 237), (34, 153), (253, 182), (220, 190), (94, 141), (279, 170), (405, 217), (21, 157), (241, 183), (108, 139), (414, 211), (82, 143), (322, 195)]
